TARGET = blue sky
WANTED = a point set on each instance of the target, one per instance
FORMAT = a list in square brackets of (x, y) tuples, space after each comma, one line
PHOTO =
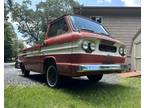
[(97, 2), (34, 2), (102, 2), (110, 2)]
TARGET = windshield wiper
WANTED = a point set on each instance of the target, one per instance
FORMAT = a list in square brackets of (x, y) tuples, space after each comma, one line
[(86, 30), (104, 34)]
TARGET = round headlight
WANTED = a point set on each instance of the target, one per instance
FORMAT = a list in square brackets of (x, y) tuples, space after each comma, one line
[(125, 51), (121, 50), (85, 45), (88, 46), (92, 46)]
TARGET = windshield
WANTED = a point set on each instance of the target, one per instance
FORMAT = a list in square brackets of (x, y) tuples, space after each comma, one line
[(81, 23)]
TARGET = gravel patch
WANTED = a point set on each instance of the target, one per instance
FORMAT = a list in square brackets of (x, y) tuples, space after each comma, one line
[(13, 76)]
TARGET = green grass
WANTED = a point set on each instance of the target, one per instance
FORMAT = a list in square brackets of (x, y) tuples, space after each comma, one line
[(83, 94)]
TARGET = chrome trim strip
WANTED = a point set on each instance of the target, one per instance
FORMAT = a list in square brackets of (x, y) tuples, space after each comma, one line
[(101, 67)]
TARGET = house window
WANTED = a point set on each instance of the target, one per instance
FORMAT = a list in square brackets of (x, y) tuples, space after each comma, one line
[(97, 18)]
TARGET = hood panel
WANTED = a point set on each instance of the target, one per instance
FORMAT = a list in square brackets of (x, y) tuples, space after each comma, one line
[(101, 37)]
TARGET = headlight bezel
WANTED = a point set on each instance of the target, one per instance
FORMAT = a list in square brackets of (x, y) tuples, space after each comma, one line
[(85, 45), (122, 51), (88, 46)]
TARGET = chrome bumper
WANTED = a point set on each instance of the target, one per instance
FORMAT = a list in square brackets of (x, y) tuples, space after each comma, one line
[(102, 67)]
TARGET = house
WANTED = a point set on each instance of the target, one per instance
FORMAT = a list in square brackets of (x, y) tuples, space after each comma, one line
[(123, 23), (135, 51)]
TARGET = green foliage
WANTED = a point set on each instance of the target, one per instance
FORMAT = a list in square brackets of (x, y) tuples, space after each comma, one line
[(33, 23), (82, 94), (20, 45), (9, 42), (7, 7), (10, 3)]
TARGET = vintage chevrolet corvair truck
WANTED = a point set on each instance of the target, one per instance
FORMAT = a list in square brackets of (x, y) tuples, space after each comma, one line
[(74, 46)]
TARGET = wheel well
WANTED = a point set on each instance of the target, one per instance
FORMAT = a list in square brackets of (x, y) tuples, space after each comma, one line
[(48, 62), (21, 64)]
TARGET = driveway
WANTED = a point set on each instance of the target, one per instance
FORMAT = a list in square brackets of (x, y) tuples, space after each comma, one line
[(13, 76)]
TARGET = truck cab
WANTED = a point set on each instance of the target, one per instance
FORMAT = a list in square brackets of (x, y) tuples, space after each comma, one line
[(74, 46)]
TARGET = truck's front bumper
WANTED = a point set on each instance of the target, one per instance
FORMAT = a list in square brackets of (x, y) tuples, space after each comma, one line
[(102, 67), (74, 70)]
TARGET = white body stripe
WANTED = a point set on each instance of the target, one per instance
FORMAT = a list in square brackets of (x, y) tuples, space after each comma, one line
[(70, 48)]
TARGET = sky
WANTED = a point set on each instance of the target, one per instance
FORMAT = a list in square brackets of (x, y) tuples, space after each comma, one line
[(116, 3), (110, 2), (131, 3), (98, 2)]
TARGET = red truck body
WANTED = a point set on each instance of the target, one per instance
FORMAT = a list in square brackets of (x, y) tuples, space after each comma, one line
[(74, 52)]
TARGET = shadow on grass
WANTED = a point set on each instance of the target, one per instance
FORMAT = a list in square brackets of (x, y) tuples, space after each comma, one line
[(40, 78), (73, 83), (100, 94), (103, 94)]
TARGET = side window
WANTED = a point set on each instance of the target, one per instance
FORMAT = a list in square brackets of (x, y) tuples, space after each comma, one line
[(57, 28)]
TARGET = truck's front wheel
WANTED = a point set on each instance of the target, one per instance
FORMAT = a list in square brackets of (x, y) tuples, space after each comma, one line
[(24, 71), (52, 77)]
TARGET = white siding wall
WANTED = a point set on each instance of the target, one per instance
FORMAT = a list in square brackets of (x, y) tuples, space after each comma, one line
[(122, 28)]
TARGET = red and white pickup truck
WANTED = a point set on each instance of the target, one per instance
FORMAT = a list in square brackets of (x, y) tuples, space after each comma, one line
[(74, 46)]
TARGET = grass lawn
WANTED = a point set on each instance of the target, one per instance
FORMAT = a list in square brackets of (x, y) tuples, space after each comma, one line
[(81, 94)]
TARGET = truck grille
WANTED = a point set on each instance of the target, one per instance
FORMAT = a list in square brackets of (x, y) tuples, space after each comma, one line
[(107, 48)]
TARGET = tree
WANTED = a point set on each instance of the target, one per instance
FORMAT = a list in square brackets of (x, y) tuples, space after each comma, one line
[(20, 45), (9, 42), (33, 23), (7, 7), (10, 39)]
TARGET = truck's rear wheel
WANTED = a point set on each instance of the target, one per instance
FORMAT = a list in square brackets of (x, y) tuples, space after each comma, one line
[(52, 77), (95, 78), (24, 71)]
